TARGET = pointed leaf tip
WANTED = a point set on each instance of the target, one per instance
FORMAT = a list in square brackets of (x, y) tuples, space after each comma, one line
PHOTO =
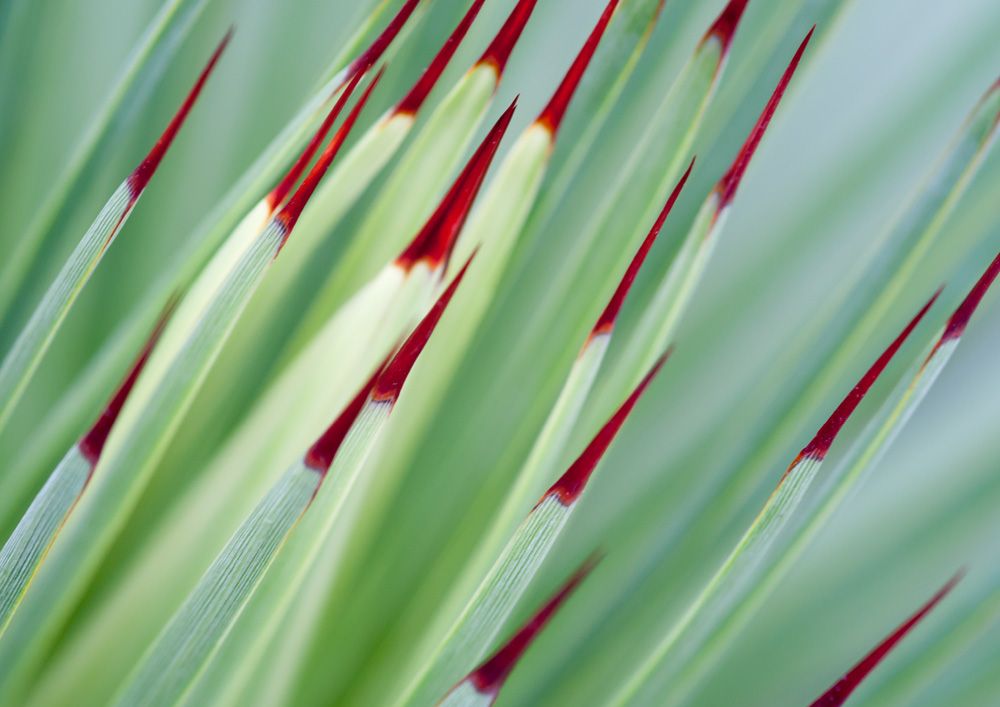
[(491, 675), (606, 322), (144, 172), (375, 50), (724, 27), (730, 181), (842, 689), (503, 44), (820, 444), (413, 100), (960, 319), (435, 241), (571, 484), (92, 443), (320, 455), (290, 213), (284, 187), (389, 384), (552, 115)]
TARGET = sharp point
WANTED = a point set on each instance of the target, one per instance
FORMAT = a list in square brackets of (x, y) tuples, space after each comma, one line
[(290, 213), (820, 444), (730, 182), (842, 689), (144, 172), (503, 44), (284, 187), (571, 484), (491, 675), (606, 322), (91, 444), (320, 455), (375, 50), (724, 27), (960, 319), (414, 100), (389, 384), (435, 241), (552, 115)]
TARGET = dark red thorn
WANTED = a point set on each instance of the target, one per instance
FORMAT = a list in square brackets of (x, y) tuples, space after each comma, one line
[(820, 444), (727, 186), (290, 213), (144, 172), (92, 443), (960, 319), (435, 241), (320, 455), (552, 115), (571, 484), (724, 27), (489, 677), (842, 689), (503, 44), (390, 383), (606, 322), (278, 194), (375, 50), (413, 100)]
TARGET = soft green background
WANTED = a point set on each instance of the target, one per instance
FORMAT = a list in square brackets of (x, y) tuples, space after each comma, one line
[(881, 92)]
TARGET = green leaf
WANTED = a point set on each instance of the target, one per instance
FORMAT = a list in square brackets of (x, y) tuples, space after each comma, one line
[(148, 60), (142, 437), (483, 617), (23, 358), (715, 599)]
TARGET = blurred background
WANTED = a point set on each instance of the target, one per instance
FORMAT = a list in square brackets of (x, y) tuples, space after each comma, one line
[(882, 90)]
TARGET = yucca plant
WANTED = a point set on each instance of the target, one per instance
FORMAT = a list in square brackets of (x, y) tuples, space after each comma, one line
[(441, 371)]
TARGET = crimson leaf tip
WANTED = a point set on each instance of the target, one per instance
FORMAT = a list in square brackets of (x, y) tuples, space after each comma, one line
[(552, 115), (606, 322), (503, 44), (819, 446), (91, 444), (390, 382), (842, 689), (571, 484), (289, 214), (144, 172), (960, 319), (375, 50), (491, 675), (436, 240), (730, 181), (724, 27), (414, 99)]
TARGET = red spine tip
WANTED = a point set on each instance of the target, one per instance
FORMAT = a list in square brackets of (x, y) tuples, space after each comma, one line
[(503, 44), (960, 319), (730, 181), (606, 322), (144, 172), (389, 384), (820, 444), (320, 455), (724, 27), (551, 117), (489, 677), (290, 213), (842, 689), (571, 484), (435, 241), (377, 48), (413, 100), (92, 443)]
